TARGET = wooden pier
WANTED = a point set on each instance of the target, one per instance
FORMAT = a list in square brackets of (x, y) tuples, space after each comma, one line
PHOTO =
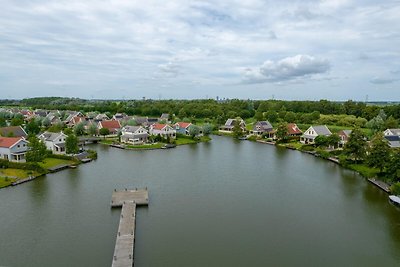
[(125, 243), (382, 185)]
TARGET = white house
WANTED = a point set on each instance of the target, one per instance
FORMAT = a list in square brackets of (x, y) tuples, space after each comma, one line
[(13, 148), (135, 135), (389, 132), (54, 141), (164, 130), (309, 136)]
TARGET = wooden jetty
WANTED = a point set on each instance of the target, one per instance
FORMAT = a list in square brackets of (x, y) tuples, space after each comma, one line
[(382, 185), (59, 167), (125, 243)]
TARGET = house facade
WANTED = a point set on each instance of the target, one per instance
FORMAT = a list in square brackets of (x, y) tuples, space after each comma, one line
[(293, 130), (182, 127), (163, 130), (263, 128), (344, 137), (13, 149), (135, 135), (309, 136), (55, 142), (389, 132), (112, 125), (230, 123)]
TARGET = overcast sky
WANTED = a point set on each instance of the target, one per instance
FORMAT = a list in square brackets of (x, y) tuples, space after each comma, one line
[(258, 49)]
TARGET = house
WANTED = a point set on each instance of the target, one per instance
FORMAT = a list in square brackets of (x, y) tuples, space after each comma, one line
[(164, 117), (55, 142), (263, 128), (392, 132), (163, 130), (141, 121), (13, 148), (230, 123), (182, 127), (309, 136), (393, 140), (119, 116), (344, 137), (135, 135), (293, 130), (101, 117), (75, 118), (13, 131), (113, 126), (53, 118)]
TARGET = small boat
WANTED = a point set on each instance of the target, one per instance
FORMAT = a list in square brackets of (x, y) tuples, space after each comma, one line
[(242, 138), (168, 146), (395, 200), (72, 166)]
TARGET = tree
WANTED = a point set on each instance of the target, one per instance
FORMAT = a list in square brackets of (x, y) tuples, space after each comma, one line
[(356, 145), (36, 150), (237, 129), (333, 140), (17, 121), (258, 116), (272, 116), (281, 131), (379, 152), (194, 130), (3, 122), (393, 166), (104, 132), (71, 144), (79, 129), (46, 122), (32, 128), (321, 141), (207, 129), (92, 130), (391, 123)]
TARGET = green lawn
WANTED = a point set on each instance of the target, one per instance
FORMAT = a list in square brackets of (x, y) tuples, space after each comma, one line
[(364, 170), (19, 173), (149, 146), (6, 181), (188, 140), (52, 162)]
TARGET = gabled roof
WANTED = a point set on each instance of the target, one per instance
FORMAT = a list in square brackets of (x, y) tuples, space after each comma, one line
[(345, 132), (263, 125), (164, 116), (321, 130), (159, 126), (394, 131), (51, 137), (111, 124), (15, 131), (9, 142), (394, 141), (131, 129), (183, 124), (293, 129)]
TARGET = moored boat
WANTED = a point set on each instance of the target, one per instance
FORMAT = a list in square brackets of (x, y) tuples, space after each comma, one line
[(394, 199)]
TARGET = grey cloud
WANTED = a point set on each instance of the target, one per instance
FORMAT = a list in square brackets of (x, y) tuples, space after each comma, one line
[(378, 80), (289, 68)]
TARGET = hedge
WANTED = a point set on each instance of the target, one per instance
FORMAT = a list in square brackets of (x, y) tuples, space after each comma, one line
[(32, 166)]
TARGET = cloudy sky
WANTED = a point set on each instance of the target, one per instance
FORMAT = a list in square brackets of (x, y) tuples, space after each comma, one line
[(259, 49)]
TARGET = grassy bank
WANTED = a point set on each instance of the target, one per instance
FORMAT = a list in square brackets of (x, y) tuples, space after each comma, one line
[(52, 162)]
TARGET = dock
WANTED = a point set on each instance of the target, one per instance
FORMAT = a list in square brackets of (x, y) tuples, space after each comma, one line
[(59, 167), (125, 242), (382, 185)]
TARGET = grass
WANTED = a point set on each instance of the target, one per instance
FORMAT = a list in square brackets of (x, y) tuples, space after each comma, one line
[(18, 173), (52, 162), (4, 181), (188, 140), (149, 146), (364, 170)]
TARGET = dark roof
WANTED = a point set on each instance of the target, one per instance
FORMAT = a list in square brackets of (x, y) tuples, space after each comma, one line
[(392, 138), (263, 126), (13, 131)]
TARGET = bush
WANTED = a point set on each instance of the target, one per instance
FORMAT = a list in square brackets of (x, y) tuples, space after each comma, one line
[(92, 153), (307, 148), (395, 188), (32, 166)]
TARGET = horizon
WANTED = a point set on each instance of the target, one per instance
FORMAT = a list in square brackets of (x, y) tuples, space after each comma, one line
[(309, 50)]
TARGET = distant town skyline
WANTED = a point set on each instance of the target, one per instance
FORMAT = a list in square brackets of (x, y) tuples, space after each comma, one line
[(117, 49)]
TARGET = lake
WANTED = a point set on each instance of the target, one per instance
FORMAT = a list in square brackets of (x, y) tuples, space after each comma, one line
[(222, 203)]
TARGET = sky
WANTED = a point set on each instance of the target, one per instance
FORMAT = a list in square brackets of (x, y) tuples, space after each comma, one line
[(182, 49)]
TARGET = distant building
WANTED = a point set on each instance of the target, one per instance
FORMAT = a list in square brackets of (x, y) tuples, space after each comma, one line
[(13, 131), (230, 123), (344, 137)]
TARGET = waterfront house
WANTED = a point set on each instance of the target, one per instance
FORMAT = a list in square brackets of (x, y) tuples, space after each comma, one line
[(263, 128), (112, 125), (135, 135), (163, 130), (230, 123), (182, 127), (164, 117), (13, 131), (344, 137), (55, 142), (309, 136), (13, 148), (389, 132), (393, 141), (293, 130)]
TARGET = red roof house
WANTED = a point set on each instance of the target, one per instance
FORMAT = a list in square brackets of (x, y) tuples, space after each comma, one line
[(112, 125)]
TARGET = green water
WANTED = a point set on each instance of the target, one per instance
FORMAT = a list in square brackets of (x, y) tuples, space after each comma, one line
[(224, 203)]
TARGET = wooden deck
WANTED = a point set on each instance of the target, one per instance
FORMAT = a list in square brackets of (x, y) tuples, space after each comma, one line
[(125, 243)]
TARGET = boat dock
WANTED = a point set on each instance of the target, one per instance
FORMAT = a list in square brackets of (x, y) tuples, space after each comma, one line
[(125, 242), (59, 167), (382, 185)]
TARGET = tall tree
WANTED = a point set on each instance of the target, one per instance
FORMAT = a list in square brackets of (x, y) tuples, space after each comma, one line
[(393, 166), (237, 128), (379, 152), (32, 127), (36, 150), (333, 140), (92, 130), (194, 130), (207, 129), (104, 132), (79, 129), (71, 144), (281, 131), (356, 145)]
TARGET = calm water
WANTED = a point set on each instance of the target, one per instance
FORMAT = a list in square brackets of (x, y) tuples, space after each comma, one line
[(224, 203)]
